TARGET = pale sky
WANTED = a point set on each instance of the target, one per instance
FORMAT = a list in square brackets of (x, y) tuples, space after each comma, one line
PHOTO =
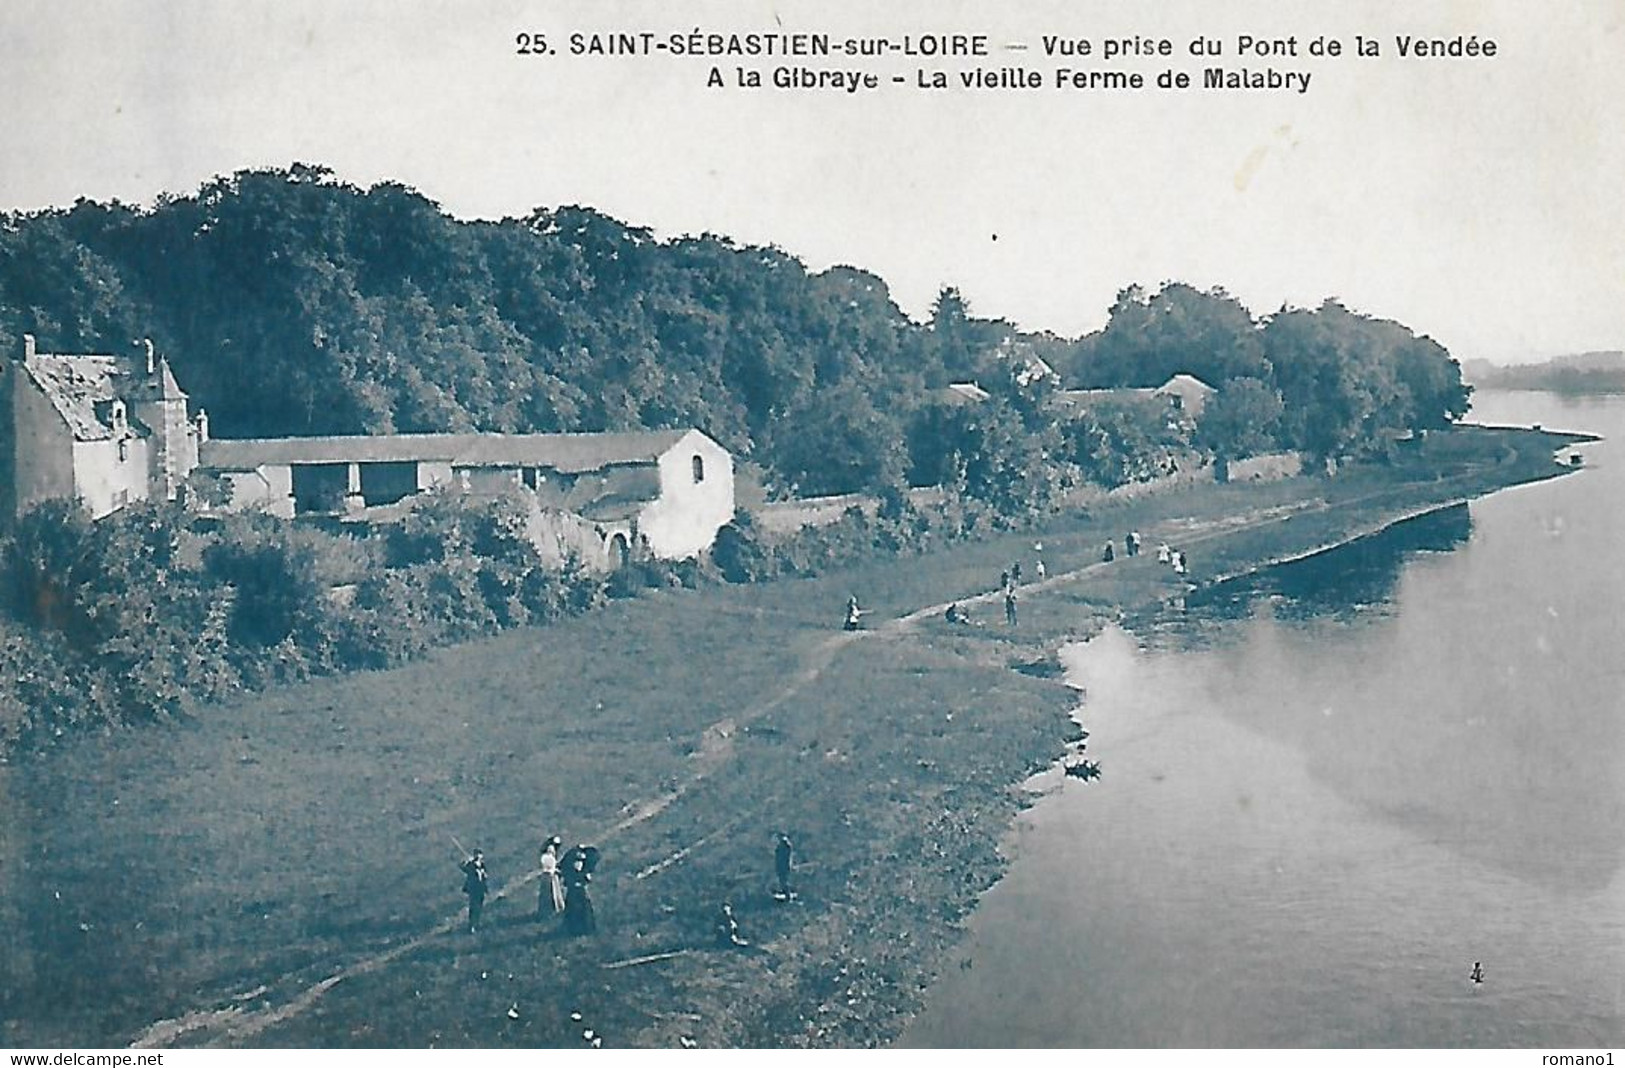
[(1477, 200)]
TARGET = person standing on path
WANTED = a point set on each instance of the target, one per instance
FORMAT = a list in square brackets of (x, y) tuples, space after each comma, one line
[(579, 918), (475, 883), (783, 856), (579, 864), (550, 894), (1010, 606)]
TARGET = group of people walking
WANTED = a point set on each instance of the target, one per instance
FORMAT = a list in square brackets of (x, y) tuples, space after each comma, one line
[(1131, 547), (563, 888), (1166, 554), (564, 878), (1174, 558)]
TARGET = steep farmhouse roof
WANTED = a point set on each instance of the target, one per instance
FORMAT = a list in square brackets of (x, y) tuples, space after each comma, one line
[(81, 389), (160, 385), (560, 452), (1185, 383)]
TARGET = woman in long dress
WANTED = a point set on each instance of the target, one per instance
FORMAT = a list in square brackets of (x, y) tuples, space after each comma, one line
[(578, 914), (550, 895)]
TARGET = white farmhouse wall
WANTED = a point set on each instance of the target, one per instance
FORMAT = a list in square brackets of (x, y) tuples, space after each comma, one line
[(684, 520), (432, 473), (110, 474), (267, 489)]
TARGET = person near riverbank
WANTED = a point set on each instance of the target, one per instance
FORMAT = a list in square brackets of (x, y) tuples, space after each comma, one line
[(958, 616), (475, 883), (579, 918), (1038, 560), (853, 612), (1004, 579), (1165, 555), (1178, 560), (1010, 607), (1015, 573), (550, 894), (1109, 554), (784, 852), (1132, 543)]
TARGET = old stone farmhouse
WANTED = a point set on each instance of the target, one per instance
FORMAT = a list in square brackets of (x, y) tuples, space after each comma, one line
[(1182, 396), (668, 491), (109, 430), (103, 429)]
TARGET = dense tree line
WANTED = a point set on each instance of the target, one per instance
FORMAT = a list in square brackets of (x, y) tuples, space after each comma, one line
[(290, 302), (1327, 381)]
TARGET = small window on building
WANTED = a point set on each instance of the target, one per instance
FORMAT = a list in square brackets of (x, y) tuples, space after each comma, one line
[(120, 420), (123, 449), (699, 469)]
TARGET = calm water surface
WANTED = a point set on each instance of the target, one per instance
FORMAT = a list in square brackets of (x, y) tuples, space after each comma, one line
[(1330, 789)]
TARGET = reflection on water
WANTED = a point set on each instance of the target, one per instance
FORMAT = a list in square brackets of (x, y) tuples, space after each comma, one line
[(1331, 788), (1354, 580), (1357, 577)]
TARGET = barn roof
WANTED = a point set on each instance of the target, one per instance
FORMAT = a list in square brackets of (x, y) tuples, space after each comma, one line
[(964, 393), (1083, 399), (561, 452)]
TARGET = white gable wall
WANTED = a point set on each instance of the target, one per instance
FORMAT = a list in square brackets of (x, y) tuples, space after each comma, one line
[(684, 520)]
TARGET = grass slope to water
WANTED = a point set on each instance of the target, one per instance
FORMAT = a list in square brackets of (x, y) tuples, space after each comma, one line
[(280, 870)]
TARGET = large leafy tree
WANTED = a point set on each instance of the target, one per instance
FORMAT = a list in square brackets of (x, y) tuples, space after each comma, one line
[(1241, 419), (1150, 337)]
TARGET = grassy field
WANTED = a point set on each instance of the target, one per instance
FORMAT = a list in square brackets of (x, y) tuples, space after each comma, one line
[(279, 871)]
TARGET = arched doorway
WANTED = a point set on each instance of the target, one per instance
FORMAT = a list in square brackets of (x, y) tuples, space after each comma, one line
[(620, 553)]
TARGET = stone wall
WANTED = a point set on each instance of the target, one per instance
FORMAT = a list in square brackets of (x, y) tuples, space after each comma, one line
[(1270, 467)]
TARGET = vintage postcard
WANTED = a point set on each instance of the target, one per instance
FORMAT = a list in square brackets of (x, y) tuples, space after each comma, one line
[(776, 524)]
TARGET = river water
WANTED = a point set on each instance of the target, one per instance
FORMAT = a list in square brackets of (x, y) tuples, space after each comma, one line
[(1330, 789)]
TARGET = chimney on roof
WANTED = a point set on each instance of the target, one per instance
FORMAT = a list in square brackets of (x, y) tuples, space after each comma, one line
[(28, 346), (145, 345)]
